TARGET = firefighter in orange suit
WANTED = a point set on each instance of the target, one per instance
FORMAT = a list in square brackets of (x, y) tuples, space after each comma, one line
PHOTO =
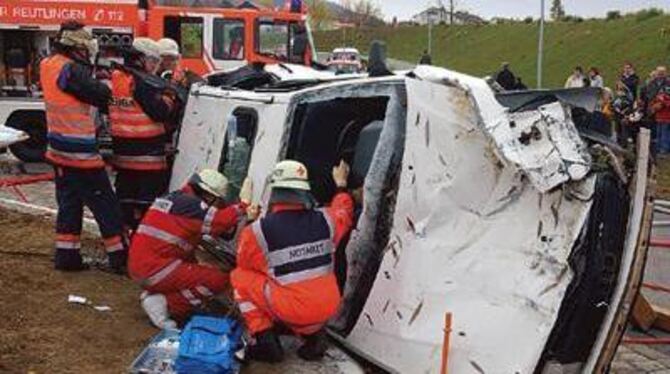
[(139, 115), (285, 263), (70, 96)]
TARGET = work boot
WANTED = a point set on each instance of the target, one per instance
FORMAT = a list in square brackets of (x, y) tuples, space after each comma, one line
[(155, 306), (314, 348), (118, 262), (266, 348), (69, 260)]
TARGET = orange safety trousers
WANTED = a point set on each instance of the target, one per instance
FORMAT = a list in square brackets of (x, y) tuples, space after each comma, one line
[(305, 309)]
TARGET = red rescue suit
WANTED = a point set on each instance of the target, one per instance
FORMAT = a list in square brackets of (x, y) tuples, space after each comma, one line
[(285, 266), (162, 252)]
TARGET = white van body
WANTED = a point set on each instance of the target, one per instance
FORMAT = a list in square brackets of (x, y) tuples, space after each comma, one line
[(464, 213)]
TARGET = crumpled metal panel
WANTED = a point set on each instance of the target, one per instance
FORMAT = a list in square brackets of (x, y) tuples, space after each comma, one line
[(544, 143), (472, 237)]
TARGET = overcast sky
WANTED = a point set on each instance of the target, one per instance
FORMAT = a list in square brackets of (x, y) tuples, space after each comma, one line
[(404, 9)]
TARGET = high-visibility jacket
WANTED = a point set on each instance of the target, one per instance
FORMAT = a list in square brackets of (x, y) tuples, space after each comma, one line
[(171, 231), (71, 129), (295, 250), (138, 141)]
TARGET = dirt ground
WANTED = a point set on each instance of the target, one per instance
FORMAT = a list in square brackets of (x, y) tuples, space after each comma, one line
[(41, 331)]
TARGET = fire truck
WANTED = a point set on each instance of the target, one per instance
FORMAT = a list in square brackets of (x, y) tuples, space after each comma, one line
[(213, 35)]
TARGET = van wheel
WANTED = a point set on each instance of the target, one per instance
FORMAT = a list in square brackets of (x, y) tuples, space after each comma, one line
[(33, 123)]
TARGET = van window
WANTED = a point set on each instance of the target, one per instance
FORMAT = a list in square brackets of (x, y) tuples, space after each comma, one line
[(228, 39), (187, 32), (237, 147)]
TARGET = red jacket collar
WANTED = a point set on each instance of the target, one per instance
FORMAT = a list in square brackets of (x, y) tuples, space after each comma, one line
[(285, 207)]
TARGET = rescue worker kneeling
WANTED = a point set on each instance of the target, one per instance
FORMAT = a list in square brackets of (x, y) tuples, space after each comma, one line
[(285, 264), (162, 253), (139, 117)]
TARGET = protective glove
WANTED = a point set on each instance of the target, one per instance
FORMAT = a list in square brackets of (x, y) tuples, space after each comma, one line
[(253, 212), (341, 174), (247, 191)]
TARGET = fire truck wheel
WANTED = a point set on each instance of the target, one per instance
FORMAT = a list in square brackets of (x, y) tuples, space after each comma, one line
[(33, 123)]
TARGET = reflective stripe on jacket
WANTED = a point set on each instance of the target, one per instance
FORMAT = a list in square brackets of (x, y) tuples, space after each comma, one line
[(298, 245), (172, 229), (138, 141), (71, 129), (295, 250)]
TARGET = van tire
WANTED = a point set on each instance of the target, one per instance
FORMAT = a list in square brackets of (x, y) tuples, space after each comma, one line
[(34, 123)]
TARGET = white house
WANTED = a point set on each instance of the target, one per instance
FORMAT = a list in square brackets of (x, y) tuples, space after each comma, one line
[(440, 15)]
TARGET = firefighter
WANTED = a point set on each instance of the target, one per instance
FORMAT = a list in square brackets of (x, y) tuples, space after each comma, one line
[(162, 253), (70, 95), (140, 117), (170, 67), (285, 263)]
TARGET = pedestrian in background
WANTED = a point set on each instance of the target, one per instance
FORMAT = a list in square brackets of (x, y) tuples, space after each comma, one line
[(505, 78), (426, 58), (577, 79), (630, 79), (622, 109), (659, 108), (595, 79)]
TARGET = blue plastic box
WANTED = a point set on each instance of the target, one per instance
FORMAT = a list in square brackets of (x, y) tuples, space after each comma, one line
[(208, 346)]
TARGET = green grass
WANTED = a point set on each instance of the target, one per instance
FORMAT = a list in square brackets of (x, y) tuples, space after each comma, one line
[(479, 50)]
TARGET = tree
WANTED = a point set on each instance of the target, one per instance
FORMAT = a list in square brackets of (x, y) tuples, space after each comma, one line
[(557, 10), (363, 11), (319, 13)]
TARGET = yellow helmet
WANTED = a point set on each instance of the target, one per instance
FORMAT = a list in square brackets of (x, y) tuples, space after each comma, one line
[(290, 175)]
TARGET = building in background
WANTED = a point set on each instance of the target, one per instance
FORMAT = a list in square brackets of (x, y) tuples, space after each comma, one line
[(441, 15)]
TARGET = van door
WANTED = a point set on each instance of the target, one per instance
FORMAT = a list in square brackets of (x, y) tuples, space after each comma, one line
[(221, 131)]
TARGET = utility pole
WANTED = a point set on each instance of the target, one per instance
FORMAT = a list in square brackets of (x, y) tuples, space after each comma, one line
[(430, 36), (540, 47)]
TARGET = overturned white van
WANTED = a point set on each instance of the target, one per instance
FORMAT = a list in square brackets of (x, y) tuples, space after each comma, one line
[(529, 232)]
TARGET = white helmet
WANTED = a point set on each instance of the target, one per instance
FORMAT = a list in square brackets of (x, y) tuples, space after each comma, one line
[(168, 47), (211, 181), (147, 47), (290, 175)]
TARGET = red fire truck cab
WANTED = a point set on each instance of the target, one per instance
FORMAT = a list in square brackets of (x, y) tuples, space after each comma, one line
[(212, 34)]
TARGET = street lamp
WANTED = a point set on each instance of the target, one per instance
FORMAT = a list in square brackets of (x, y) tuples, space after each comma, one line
[(430, 35), (540, 47)]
